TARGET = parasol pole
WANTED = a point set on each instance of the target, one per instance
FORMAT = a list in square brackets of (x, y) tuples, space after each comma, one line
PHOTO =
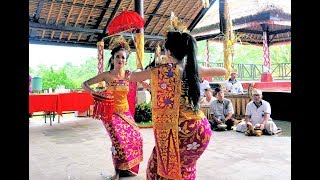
[(134, 42), (139, 35), (138, 52), (118, 33)]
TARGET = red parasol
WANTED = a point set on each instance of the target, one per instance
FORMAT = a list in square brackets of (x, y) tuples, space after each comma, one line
[(125, 21)]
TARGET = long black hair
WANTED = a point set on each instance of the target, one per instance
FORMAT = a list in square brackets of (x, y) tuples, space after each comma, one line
[(183, 45), (114, 51)]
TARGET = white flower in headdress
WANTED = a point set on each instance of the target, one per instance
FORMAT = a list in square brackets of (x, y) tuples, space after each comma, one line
[(193, 146), (113, 150)]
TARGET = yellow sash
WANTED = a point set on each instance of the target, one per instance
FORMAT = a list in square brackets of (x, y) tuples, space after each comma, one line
[(166, 94)]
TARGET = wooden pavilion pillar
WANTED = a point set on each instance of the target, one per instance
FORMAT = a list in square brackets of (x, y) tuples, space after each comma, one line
[(266, 75), (226, 30)]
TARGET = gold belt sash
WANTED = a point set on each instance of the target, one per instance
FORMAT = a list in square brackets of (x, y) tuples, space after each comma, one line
[(166, 94)]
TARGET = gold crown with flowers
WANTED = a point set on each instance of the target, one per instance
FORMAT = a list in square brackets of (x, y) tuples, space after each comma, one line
[(119, 41), (176, 24)]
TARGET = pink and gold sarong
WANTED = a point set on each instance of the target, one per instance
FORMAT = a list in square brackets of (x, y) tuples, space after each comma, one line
[(127, 142), (181, 135)]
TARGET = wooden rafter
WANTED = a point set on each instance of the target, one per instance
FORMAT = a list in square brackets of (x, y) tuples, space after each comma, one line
[(88, 18), (153, 12), (168, 19), (37, 15), (149, 7), (49, 27), (116, 8), (68, 17), (77, 21), (131, 3), (168, 7), (47, 20), (79, 5), (200, 7), (57, 20), (200, 16)]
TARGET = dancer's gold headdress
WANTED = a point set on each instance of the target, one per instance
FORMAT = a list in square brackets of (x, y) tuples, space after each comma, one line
[(119, 41), (176, 24)]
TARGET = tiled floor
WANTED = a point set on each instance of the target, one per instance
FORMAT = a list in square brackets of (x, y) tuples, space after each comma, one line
[(79, 148)]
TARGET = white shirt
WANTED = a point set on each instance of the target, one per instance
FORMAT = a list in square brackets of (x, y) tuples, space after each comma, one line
[(257, 113), (235, 86), (206, 103), (203, 86)]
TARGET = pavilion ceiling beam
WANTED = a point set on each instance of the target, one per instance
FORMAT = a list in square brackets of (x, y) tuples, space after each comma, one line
[(260, 32), (205, 37), (48, 27), (100, 7), (100, 18), (36, 16), (58, 18), (79, 4), (153, 12), (248, 31), (154, 28), (77, 21), (185, 5), (103, 12), (116, 8), (200, 7), (39, 26), (168, 19), (131, 3), (148, 6), (200, 16), (73, 43), (68, 17), (88, 18), (47, 20), (280, 31)]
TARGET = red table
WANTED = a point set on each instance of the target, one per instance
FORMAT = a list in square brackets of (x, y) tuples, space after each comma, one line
[(74, 101), (43, 102)]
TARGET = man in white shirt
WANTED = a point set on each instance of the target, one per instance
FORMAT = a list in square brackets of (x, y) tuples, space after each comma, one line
[(209, 96), (232, 85), (258, 113), (203, 85)]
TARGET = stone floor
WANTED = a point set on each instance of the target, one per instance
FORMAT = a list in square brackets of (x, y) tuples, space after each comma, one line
[(79, 148)]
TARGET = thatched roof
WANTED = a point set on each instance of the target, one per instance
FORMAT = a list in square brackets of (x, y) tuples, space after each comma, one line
[(84, 22), (249, 17)]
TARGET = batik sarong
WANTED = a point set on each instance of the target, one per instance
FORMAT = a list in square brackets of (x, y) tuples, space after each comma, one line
[(181, 135)]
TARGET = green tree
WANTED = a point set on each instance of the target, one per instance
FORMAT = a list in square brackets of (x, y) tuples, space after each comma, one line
[(52, 78)]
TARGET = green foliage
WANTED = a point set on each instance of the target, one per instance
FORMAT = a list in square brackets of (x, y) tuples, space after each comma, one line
[(244, 54), (143, 112), (72, 76), (52, 78)]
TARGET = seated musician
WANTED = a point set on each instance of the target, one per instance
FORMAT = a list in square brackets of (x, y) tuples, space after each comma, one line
[(258, 113), (233, 86), (209, 96), (221, 111)]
